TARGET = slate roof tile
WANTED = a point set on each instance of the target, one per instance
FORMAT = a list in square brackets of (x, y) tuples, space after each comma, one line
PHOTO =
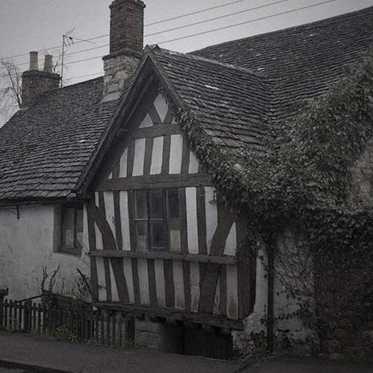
[(303, 61), (229, 102), (236, 90), (45, 148)]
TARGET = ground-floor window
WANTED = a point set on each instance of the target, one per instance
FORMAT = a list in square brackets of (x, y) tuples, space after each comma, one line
[(71, 229)]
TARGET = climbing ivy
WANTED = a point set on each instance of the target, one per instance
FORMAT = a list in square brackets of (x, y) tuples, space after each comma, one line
[(305, 162), (303, 174)]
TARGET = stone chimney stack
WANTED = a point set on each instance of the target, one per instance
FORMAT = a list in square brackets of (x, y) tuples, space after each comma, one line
[(34, 63), (48, 63), (126, 45), (35, 82)]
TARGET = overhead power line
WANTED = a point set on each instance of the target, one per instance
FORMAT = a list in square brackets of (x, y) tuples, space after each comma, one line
[(85, 76), (190, 24), (194, 13), (257, 19), (246, 22), (227, 27), (218, 17), (164, 20)]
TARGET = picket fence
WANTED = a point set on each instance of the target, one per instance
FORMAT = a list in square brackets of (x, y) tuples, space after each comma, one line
[(75, 324)]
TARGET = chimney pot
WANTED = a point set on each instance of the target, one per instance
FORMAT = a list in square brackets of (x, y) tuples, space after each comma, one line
[(48, 63), (34, 63), (35, 82)]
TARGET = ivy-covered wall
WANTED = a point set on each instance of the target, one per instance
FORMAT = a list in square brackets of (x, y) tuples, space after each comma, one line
[(313, 173), (362, 179)]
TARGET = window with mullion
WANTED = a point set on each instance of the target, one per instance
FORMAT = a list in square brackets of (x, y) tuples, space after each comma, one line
[(157, 222)]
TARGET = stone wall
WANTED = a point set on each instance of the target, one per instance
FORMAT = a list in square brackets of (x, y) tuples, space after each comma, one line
[(35, 83), (117, 71)]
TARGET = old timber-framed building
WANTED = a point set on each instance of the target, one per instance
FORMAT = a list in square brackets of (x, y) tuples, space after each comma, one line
[(103, 175)]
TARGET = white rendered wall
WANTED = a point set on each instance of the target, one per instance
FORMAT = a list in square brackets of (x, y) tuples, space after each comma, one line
[(27, 245), (289, 262)]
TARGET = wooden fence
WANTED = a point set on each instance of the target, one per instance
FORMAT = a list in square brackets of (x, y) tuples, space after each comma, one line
[(73, 324)]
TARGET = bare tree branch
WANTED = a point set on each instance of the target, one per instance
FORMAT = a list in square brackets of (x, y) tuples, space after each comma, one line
[(13, 77)]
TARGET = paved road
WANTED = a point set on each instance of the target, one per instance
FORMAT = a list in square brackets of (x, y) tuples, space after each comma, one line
[(68, 357), (307, 366)]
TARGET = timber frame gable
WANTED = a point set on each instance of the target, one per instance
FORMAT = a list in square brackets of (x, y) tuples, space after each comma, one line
[(181, 259)]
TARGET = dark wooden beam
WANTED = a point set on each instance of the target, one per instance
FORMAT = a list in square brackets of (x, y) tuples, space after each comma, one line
[(156, 131), (155, 182), (165, 255), (213, 270), (137, 310)]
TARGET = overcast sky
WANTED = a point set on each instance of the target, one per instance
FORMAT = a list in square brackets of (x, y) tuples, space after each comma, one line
[(39, 24)]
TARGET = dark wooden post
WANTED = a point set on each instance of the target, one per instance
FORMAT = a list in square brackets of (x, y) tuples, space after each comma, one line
[(27, 316), (3, 294), (130, 330)]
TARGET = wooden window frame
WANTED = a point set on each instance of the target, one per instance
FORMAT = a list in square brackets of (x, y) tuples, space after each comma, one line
[(77, 246), (165, 219)]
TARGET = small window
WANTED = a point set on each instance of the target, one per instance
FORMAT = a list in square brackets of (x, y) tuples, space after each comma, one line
[(71, 240), (157, 220)]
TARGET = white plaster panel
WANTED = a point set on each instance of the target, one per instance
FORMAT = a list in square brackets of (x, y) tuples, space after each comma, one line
[(99, 241), (101, 279), (232, 292), (231, 243), (157, 156), (160, 282), (138, 163), (142, 267), (109, 207), (114, 287), (193, 163), (211, 215), (161, 106), (176, 154), (128, 274), (147, 122), (192, 225), (85, 230), (194, 286), (123, 202), (179, 284), (123, 164)]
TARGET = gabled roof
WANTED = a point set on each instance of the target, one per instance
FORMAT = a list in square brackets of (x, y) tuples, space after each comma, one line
[(230, 103), (304, 61), (322, 44), (235, 90), (44, 149)]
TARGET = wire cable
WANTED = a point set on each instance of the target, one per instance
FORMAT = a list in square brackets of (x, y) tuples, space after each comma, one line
[(189, 25), (147, 25), (246, 22), (217, 18), (217, 29)]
